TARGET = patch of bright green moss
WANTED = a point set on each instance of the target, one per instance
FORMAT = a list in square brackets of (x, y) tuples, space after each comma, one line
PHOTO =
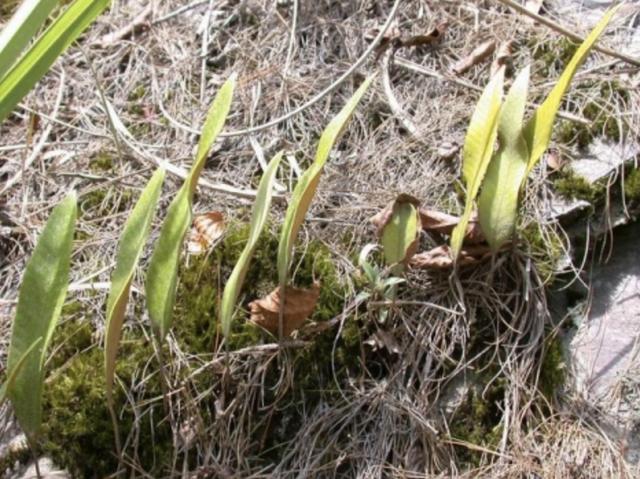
[(632, 186), (552, 56), (573, 186), (603, 123), (544, 249), (102, 201), (101, 162), (77, 430)]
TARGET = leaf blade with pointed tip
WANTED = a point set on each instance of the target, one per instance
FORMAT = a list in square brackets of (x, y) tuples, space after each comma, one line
[(400, 234), (477, 151), (498, 201), (307, 185), (134, 236), (258, 220), (162, 275), (20, 30), (539, 128), (42, 293), (35, 63)]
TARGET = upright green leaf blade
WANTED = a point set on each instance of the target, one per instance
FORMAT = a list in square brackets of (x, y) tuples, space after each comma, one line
[(306, 187), (400, 233), (134, 236), (39, 58), (258, 220), (498, 201), (538, 129), (21, 29), (40, 300), (162, 275), (11, 378), (478, 150)]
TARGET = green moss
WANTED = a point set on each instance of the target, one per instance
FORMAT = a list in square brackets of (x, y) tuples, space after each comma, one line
[(552, 56), (77, 432), (632, 186), (101, 162), (552, 371), (603, 123), (103, 201), (477, 420), (544, 247), (573, 186)]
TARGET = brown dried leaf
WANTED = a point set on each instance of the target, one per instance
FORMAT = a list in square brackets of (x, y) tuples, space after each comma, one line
[(382, 339), (478, 55), (298, 306), (443, 223), (440, 257), (207, 228), (555, 161)]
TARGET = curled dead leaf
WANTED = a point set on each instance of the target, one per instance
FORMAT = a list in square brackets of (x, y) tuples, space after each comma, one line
[(431, 38), (206, 229), (504, 57), (478, 55), (440, 257), (298, 305), (443, 223), (555, 160)]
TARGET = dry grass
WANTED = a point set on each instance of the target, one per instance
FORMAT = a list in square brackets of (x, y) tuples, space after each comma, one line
[(490, 321)]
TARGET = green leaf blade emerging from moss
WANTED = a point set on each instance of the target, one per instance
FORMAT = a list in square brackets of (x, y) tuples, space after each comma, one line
[(306, 187), (162, 275), (42, 293), (258, 220), (134, 236)]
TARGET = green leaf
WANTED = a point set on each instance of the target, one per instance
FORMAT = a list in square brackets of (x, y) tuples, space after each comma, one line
[(400, 234), (162, 275), (40, 300), (258, 220), (538, 129), (41, 56), (134, 236), (477, 151), (11, 378), (21, 30), (498, 201), (307, 185)]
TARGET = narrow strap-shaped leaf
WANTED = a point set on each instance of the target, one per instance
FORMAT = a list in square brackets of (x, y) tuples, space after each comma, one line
[(40, 300), (39, 58), (11, 378), (162, 275), (538, 129), (478, 150), (498, 201), (21, 30), (258, 220), (134, 236), (306, 187)]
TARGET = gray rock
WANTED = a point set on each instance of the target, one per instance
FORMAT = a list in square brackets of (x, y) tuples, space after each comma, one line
[(604, 159)]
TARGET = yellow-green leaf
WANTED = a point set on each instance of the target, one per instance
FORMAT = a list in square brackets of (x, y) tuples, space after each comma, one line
[(134, 236), (162, 275), (258, 220), (400, 234), (306, 187), (11, 378), (477, 151), (498, 201), (40, 300), (21, 29), (538, 129), (38, 59)]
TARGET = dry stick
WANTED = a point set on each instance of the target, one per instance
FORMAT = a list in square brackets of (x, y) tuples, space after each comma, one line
[(560, 29)]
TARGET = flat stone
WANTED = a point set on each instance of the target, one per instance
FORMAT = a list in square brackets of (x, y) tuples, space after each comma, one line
[(603, 159), (47, 471), (603, 345)]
